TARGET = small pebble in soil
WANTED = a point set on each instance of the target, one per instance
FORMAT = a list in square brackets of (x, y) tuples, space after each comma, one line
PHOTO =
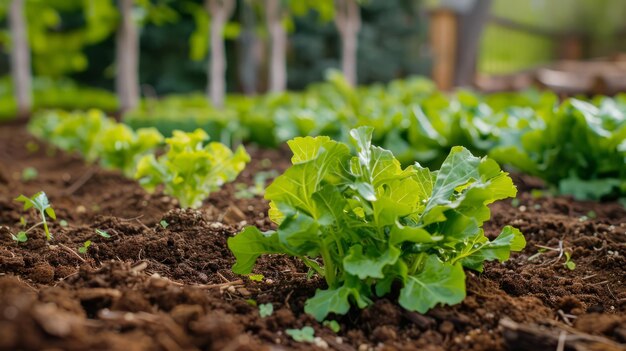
[(446, 327)]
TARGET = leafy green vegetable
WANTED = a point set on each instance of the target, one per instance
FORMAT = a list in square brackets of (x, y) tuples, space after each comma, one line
[(306, 334), (373, 223), (39, 202), (190, 171), (578, 149), (120, 147), (266, 310)]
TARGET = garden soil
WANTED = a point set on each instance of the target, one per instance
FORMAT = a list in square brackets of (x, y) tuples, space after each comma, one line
[(162, 281)]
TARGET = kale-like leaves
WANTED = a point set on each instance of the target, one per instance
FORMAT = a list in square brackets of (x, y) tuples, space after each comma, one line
[(363, 222)]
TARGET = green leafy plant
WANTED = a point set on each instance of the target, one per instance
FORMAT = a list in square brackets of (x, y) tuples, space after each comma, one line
[(361, 221), (189, 170), (305, 334), (580, 150), (39, 202), (119, 147), (83, 249), (266, 310)]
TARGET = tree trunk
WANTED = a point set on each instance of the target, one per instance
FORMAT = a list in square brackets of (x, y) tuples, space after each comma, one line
[(278, 34), (20, 58), (348, 22), (249, 43), (127, 58), (220, 11), (470, 30)]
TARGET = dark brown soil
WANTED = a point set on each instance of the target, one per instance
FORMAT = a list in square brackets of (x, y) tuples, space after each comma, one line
[(154, 288)]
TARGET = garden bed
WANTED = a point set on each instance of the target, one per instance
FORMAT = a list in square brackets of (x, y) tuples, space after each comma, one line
[(169, 287)]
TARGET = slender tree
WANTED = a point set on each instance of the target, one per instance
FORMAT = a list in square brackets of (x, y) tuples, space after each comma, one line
[(20, 58), (348, 22), (127, 57), (220, 11), (276, 14)]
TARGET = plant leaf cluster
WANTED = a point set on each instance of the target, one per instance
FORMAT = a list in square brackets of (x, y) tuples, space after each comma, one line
[(364, 223), (190, 170)]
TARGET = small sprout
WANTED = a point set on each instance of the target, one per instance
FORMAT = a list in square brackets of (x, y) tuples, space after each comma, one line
[(266, 310), (63, 223), (83, 249), (536, 193), (29, 173), (102, 233), (256, 277), (32, 147), (164, 224), (592, 214), (251, 302), (39, 202), (515, 202), (20, 237), (306, 334), (332, 325), (569, 264)]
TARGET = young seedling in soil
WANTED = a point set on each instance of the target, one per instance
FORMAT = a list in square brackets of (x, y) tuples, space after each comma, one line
[(562, 253), (332, 325), (361, 221), (103, 234), (266, 310), (83, 249), (306, 334), (39, 202), (29, 173)]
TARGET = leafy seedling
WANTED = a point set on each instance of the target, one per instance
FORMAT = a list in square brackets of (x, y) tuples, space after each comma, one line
[(256, 277), (83, 249), (63, 223), (39, 202), (251, 302), (20, 237), (332, 325), (266, 310), (562, 253), (164, 224), (29, 173), (103, 234), (306, 334)]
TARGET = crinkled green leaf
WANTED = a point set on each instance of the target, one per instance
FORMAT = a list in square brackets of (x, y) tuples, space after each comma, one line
[(333, 301), (248, 245), (369, 266), (437, 283)]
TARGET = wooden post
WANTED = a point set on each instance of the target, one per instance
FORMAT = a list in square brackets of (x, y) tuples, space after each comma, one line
[(275, 14), (220, 11), (443, 41)]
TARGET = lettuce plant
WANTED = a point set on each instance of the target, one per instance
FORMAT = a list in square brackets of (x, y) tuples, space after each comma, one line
[(190, 170), (120, 147), (79, 132), (580, 150), (361, 221)]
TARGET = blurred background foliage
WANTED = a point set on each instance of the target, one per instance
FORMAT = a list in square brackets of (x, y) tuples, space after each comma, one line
[(75, 39)]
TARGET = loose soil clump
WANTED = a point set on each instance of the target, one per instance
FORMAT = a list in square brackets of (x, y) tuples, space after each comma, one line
[(162, 281)]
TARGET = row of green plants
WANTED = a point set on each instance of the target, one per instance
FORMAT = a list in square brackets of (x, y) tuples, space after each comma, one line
[(57, 94), (188, 168), (351, 212), (577, 146)]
